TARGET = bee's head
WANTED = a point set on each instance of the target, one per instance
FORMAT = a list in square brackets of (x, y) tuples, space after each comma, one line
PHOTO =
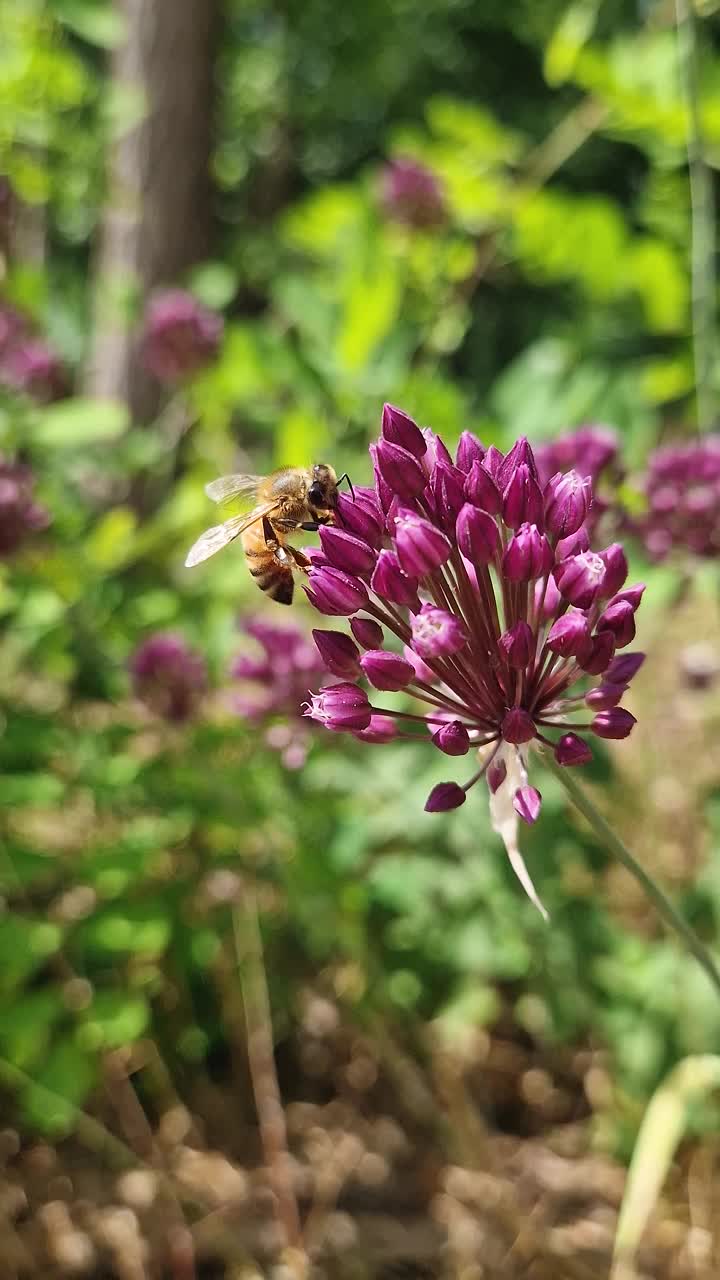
[(322, 490)]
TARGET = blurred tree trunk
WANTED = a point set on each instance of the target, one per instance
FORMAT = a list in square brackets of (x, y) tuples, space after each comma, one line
[(157, 216)]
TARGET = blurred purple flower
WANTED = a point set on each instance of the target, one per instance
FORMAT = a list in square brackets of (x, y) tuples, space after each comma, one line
[(276, 682), (682, 487), (29, 365), (168, 676), (501, 608), (593, 451), (180, 335), (20, 515), (411, 193)]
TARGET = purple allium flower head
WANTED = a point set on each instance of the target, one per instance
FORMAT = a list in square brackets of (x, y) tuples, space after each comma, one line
[(411, 193), (682, 489), (593, 452), (180, 336), (29, 365), (504, 613), (275, 681), (168, 676), (20, 515)]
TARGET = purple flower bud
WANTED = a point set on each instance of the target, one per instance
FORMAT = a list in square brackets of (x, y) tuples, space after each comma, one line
[(380, 729), (334, 592), (528, 555), (518, 645), (574, 545), (604, 696), (616, 569), (412, 193), (619, 618), (421, 669), (570, 635), (345, 551), (401, 429), (600, 654), (518, 726), (436, 632), (623, 668), (385, 494), (368, 634), (496, 775), (421, 547), (520, 454), (469, 451), (180, 335), (390, 583), (547, 598), (447, 493), (477, 535), (616, 722), (168, 675), (400, 470), (452, 738), (386, 670), (572, 750), (362, 517), (580, 579), (340, 707), (567, 503), (339, 653), (522, 499), (446, 795), (526, 803), (632, 594), (437, 450), (492, 462), (481, 490)]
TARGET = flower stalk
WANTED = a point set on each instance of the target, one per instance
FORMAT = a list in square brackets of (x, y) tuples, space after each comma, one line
[(651, 889)]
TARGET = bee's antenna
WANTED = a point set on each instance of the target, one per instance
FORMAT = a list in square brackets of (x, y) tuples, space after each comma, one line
[(345, 476)]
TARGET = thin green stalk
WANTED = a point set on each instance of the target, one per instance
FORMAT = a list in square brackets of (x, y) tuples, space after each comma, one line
[(703, 221), (652, 890)]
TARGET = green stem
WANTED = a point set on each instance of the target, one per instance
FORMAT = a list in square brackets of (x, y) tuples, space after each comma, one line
[(703, 220), (655, 894)]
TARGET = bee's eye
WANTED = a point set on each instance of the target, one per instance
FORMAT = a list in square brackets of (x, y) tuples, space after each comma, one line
[(316, 495)]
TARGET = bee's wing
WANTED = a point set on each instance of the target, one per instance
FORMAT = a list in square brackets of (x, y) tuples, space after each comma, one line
[(229, 487), (220, 535)]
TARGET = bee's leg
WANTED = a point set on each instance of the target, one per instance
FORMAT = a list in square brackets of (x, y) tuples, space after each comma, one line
[(301, 560), (310, 526), (271, 541)]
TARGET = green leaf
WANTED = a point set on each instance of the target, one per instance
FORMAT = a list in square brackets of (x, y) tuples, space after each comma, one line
[(77, 422), (96, 22), (214, 283), (51, 1102), (24, 945), (114, 1019)]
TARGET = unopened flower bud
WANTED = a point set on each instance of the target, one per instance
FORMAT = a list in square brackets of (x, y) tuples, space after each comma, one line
[(518, 645), (567, 503), (340, 655), (452, 738), (520, 454), (389, 581), (386, 670), (380, 729), (447, 490), (580, 579), (477, 535), (600, 654), (526, 803), (400, 429), (334, 592), (362, 517), (446, 795), (368, 634), (569, 635), (616, 569), (572, 750), (528, 555), (400, 470), (346, 551), (619, 618), (604, 696), (616, 722), (624, 667), (522, 499), (482, 491), (518, 726), (469, 451), (421, 547)]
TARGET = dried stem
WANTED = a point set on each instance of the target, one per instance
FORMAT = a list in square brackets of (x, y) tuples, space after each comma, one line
[(261, 1060)]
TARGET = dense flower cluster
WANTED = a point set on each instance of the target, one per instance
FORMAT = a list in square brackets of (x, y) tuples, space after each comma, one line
[(20, 515), (180, 335), (411, 193), (682, 488), (509, 623), (27, 363), (275, 685), (168, 676)]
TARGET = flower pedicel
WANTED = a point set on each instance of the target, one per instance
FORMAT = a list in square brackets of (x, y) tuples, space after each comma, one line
[(509, 623)]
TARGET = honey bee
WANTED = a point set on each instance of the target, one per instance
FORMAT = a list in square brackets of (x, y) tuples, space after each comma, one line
[(288, 499)]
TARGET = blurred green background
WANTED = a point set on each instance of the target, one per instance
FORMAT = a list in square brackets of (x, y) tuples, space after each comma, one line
[(244, 151)]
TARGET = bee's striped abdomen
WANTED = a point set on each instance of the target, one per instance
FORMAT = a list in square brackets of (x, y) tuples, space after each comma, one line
[(271, 574)]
